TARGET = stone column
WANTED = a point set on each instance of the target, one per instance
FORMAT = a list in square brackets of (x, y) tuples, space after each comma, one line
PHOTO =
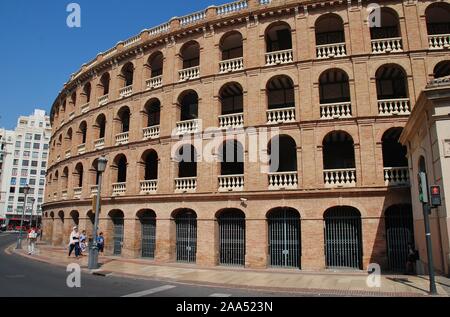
[(206, 242), (256, 244), (165, 241)]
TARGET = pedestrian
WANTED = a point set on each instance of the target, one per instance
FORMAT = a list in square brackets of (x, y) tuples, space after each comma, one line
[(74, 243), (83, 242), (100, 243), (413, 256), (32, 237)]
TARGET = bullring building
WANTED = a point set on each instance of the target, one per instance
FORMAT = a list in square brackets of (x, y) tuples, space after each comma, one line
[(335, 80)]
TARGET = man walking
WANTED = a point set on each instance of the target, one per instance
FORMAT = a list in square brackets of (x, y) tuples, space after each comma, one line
[(32, 237)]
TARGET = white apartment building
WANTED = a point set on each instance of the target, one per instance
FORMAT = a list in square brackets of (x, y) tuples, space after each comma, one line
[(25, 154)]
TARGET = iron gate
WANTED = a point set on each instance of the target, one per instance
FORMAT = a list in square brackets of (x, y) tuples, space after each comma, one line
[(148, 227), (343, 240), (285, 238), (118, 236), (186, 237), (232, 238), (399, 234)]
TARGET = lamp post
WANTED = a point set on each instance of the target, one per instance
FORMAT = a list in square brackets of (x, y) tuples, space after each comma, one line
[(93, 249), (32, 208), (26, 189)]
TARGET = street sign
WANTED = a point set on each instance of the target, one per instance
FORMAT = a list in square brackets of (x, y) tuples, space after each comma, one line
[(423, 188), (436, 199)]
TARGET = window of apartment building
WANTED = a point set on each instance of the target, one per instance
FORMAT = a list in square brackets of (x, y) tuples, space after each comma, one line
[(18, 144), (37, 137), (24, 173), (11, 199), (21, 190), (26, 154), (41, 182), (21, 199), (16, 153), (44, 164), (16, 162), (41, 192), (32, 123), (34, 163), (39, 201), (23, 182), (13, 181), (12, 190), (10, 208), (31, 192), (44, 155), (28, 145), (25, 163), (45, 146), (14, 172), (41, 124), (35, 155), (29, 136), (33, 172), (32, 181), (36, 146)]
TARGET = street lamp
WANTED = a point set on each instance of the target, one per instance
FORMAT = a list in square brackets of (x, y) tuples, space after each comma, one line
[(32, 208), (26, 190), (93, 249)]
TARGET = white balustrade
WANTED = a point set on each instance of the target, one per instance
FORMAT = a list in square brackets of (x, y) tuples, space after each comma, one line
[(71, 115), (109, 52), (331, 50), (94, 190), (336, 110), (439, 41), (126, 91), (231, 65), (340, 177), (64, 195), (119, 189), (396, 176), (81, 148), (99, 143), (68, 154), (58, 158), (279, 57), (153, 83), (187, 184), (103, 100), (149, 186), (235, 120), (283, 115), (85, 108), (283, 180), (187, 127), (151, 132), (77, 192), (122, 138), (232, 7), (231, 183), (189, 73), (389, 107), (192, 18), (389, 45), (159, 29), (132, 41)]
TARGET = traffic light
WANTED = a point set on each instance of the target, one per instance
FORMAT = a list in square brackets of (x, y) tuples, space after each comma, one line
[(423, 188), (436, 200)]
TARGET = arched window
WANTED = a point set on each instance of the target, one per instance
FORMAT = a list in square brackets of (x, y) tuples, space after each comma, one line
[(121, 164), (100, 126), (280, 93), (87, 92), (127, 74), (442, 69), (147, 218), (231, 98), (438, 18), (231, 237), (187, 161), (186, 235), (104, 84), (124, 117), (389, 25), (155, 64), (391, 82), (338, 151), (188, 103), (73, 99), (152, 112), (190, 55), (65, 178), (396, 171), (231, 46), (282, 151), (78, 176), (116, 228), (278, 37), (334, 87), (82, 131), (231, 156), (150, 161), (329, 30)]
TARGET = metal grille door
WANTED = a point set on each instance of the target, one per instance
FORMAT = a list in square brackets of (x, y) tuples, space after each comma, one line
[(232, 238), (186, 236), (285, 239), (399, 234), (343, 240), (118, 236), (148, 228)]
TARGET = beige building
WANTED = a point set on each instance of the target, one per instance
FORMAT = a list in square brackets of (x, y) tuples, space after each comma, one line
[(427, 136), (337, 92)]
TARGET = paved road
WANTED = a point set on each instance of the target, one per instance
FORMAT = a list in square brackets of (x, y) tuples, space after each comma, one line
[(22, 277)]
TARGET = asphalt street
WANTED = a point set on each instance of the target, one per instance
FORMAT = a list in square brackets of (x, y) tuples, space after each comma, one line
[(22, 277)]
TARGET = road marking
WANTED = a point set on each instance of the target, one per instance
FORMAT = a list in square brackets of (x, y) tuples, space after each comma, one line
[(220, 295), (151, 291)]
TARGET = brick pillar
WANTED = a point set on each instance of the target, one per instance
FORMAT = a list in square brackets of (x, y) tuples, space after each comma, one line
[(165, 241), (206, 242), (256, 244), (58, 229), (131, 242), (313, 253)]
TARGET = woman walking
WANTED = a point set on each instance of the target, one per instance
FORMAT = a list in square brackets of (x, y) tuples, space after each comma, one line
[(74, 242)]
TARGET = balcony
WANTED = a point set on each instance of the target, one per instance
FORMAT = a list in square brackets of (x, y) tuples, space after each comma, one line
[(340, 178), (189, 73), (283, 115), (341, 110), (231, 183), (235, 120), (331, 50), (284, 180), (99, 143), (186, 185), (122, 138), (279, 57), (94, 190), (153, 83), (81, 149), (396, 176), (119, 189), (231, 65), (55, 196), (439, 41), (68, 154), (72, 116), (232, 7), (151, 133), (85, 108), (392, 107), (188, 127), (64, 195), (103, 100), (77, 192), (389, 45), (149, 187), (126, 91)]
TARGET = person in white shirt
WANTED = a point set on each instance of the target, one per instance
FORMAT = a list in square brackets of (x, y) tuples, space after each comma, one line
[(74, 243), (32, 237)]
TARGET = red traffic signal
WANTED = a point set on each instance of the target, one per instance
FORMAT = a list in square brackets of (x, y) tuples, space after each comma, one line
[(436, 199)]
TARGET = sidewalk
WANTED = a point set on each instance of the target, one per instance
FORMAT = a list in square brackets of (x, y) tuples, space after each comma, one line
[(326, 283)]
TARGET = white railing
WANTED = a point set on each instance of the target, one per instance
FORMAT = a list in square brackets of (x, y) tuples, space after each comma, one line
[(283, 180), (230, 183), (232, 7), (187, 127), (231, 65), (192, 18), (55, 196), (189, 73), (331, 50), (81, 148), (151, 132), (58, 158), (122, 138), (94, 190), (340, 177), (85, 108), (103, 100), (64, 195), (68, 154), (389, 45), (235, 120), (159, 29), (132, 41), (396, 176), (149, 187), (99, 144), (336, 110), (71, 115), (77, 192), (126, 91), (187, 184), (439, 41), (119, 189), (154, 82), (389, 107), (283, 115), (109, 52), (279, 57)]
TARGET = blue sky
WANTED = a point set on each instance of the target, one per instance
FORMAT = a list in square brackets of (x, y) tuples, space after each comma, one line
[(39, 52)]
